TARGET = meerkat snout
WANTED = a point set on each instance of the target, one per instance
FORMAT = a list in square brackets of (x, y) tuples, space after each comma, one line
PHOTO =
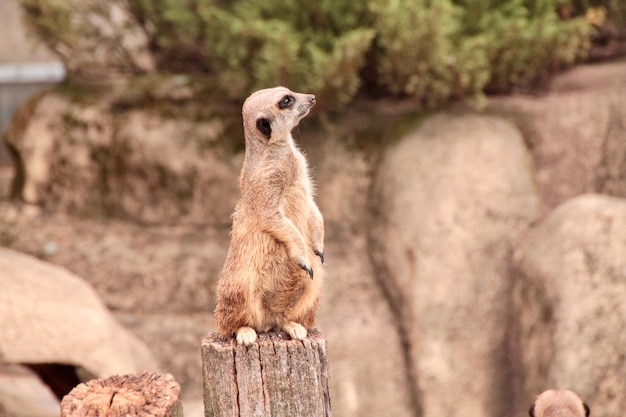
[(558, 403)]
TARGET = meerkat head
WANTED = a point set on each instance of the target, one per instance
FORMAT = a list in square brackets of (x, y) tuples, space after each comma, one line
[(269, 115), (558, 403)]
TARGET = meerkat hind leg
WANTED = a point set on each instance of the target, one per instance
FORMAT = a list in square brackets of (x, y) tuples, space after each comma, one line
[(245, 335), (295, 330)]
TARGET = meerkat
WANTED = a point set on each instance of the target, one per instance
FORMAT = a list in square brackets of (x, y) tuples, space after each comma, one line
[(558, 403), (272, 275)]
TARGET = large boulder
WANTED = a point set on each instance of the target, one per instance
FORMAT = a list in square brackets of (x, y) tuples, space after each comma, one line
[(51, 316), (367, 367), (570, 301), (451, 198)]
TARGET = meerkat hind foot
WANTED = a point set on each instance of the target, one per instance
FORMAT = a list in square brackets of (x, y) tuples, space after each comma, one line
[(245, 335), (295, 330)]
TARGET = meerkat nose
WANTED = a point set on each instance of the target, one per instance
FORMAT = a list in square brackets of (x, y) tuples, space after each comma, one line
[(312, 99)]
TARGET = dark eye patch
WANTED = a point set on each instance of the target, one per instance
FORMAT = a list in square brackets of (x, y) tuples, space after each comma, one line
[(286, 101)]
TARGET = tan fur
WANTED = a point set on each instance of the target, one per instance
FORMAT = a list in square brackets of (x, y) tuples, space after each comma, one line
[(558, 403), (278, 231)]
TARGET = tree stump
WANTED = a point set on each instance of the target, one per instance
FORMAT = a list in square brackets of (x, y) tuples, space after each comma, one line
[(145, 394), (275, 376)]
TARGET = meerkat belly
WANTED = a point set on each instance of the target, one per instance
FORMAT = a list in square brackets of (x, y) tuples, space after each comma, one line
[(284, 284), (276, 285), (305, 292)]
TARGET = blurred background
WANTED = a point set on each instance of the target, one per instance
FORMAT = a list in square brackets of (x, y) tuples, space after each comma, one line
[(470, 159)]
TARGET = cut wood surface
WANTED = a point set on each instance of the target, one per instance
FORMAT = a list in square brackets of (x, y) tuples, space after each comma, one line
[(145, 394), (275, 376)]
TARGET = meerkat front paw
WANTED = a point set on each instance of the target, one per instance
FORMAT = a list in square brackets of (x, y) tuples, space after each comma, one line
[(295, 330), (245, 335), (299, 256)]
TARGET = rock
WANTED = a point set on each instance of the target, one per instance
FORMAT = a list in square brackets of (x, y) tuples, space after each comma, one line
[(178, 266), (121, 156), (367, 368), (23, 394), (570, 301), (576, 132), (51, 316), (450, 200), (175, 339), (159, 281)]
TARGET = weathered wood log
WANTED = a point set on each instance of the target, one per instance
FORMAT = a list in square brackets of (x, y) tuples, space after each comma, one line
[(145, 394), (275, 376)]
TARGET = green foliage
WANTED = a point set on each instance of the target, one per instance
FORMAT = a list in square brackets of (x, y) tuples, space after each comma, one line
[(423, 51), (249, 45), (443, 49), (526, 42), (431, 50)]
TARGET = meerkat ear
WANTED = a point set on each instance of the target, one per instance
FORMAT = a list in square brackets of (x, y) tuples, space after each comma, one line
[(264, 126)]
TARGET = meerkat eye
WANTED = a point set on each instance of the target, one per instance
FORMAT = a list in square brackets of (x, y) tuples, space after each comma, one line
[(286, 101), (531, 411), (264, 127), (587, 410)]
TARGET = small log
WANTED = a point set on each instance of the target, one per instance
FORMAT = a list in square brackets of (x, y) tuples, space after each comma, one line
[(145, 394), (275, 376)]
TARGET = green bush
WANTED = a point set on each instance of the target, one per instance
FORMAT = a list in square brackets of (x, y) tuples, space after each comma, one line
[(247, 45), (423, 52), (441, 50), (526, 42), (431, 50)]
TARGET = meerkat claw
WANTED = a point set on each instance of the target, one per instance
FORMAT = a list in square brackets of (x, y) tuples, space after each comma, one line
[(320, 254), (307, 269)]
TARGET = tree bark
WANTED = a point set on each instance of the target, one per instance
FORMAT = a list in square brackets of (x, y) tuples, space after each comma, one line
[(145, 394), (275, 376)]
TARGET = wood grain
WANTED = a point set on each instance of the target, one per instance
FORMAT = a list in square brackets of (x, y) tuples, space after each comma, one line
[(145, 394), (275, 376)]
